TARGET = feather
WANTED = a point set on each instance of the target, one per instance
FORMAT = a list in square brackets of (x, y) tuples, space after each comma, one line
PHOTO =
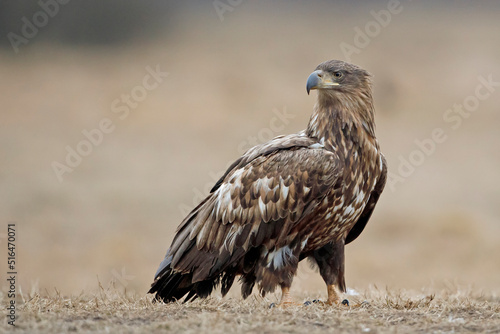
[(221, 235), (202, 237)]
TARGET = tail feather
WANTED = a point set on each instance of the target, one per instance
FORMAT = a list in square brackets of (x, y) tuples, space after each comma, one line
[(170, 285), (227, 281), (247, 284)]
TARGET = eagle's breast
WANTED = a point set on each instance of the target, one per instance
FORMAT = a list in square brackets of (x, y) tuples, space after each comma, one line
[(341, 208)]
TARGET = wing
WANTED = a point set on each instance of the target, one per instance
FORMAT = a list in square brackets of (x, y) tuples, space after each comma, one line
[(370, 206), (257, 202)]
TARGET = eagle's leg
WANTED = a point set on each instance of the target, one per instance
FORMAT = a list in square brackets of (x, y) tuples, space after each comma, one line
[(330, 260), (286, 299), (333, 296)]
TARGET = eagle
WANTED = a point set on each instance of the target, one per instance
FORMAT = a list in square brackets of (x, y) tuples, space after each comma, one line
[(298, 196)]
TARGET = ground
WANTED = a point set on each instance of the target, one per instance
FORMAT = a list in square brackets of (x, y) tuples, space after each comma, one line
[(375, 311)]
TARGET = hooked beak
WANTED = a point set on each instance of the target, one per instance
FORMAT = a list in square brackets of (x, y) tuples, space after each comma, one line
[(319, 80)]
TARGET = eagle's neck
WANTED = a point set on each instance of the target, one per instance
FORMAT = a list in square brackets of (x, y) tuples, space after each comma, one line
[(337, 119)]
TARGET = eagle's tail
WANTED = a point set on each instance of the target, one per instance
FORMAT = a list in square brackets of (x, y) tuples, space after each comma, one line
[(167, 285), (171, 285)]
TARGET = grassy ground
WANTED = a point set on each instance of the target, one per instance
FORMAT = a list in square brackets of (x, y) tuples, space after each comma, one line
[(115, 214), (375, 311)]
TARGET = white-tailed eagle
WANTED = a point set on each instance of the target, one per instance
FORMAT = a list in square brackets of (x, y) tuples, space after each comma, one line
[(303, 195)]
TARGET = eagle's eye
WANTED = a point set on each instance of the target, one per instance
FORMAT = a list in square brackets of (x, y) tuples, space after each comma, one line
[(338, 75)]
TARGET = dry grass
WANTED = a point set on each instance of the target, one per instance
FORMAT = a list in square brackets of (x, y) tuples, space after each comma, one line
[(375, 311), (119, 208)]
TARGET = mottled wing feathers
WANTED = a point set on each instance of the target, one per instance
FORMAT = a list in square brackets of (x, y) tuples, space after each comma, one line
[(370, 206), (257, 203), (278, 143)]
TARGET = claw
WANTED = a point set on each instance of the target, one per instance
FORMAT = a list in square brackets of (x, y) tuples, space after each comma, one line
[(364, 304), (345, 302)]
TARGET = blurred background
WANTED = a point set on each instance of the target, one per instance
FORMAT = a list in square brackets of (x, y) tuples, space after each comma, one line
[(118, 116)]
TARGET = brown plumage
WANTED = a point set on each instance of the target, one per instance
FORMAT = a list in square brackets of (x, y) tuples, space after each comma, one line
[(299, 196)]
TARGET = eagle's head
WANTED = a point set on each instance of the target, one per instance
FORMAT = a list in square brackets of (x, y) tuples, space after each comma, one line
[(335, 76), (344, 91)]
